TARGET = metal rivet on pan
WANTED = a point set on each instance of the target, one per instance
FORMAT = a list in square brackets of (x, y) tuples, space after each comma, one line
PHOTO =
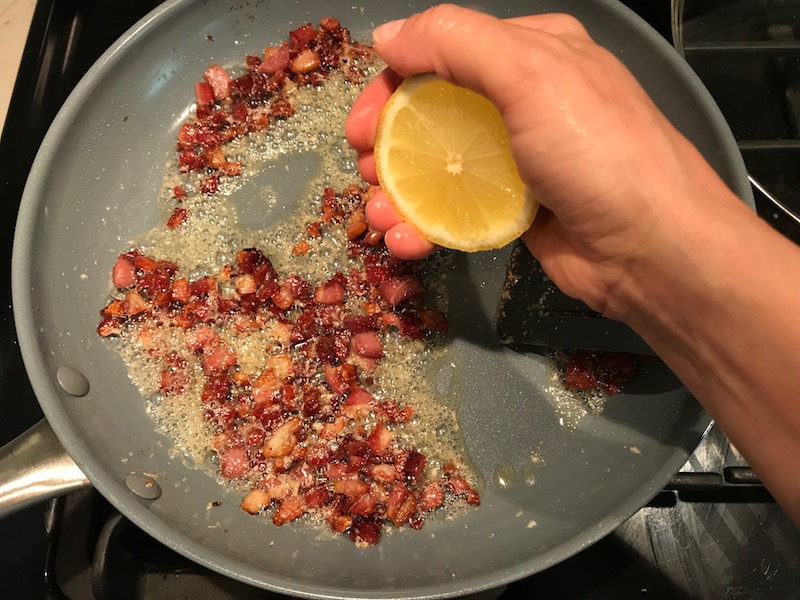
[(72, 381), (143, 486)]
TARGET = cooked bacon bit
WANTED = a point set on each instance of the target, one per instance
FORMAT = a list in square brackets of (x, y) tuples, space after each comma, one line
[(276, 59), (178, 193), (202, 338), (218, 359), (239, 112), (330, 292), (283, 439), (414, 465), (306, 61), (178, 216), (365, 531), (400, 505), (256, 501), (358, 396), (209, 185), (301, 248), (357, 224), (384, 473), (316, 497), (365, 504), (175, 379), (380, 439), (156, 281), (299, 287), (350, 487), (335, 381), (246, 284), (219, 80), (367, 344), (115, 308), (403, 512), (606, 371), (360, 323), (189, 161), (215, 157), (330, 24), (314, 230), (283, 298), (249, 259), (241, 379), (124, 273), (231, 168), (340, 523), (431, 497), (203, 287), (109, 326), (281, 365), (181, 290), (203, 93), (302, 36), (289, 509), (459, 486), (399, 289), (281, 109), (216, 389), (394, 413), (373, 237), (280, 332), (173, 383), (145, 263), (233, 462), (134, 304), (331, 209)]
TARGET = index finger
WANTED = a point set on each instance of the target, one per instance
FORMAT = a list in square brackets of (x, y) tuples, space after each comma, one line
[(362, 122), (459, 45)]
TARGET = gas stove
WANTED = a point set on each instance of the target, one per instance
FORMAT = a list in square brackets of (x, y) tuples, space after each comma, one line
[(713, 532)]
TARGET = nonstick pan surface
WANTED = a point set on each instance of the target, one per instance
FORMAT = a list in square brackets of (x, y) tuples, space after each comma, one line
[(94, 187)]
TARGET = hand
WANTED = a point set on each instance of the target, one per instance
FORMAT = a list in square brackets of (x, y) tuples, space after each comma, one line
[(587, 139)]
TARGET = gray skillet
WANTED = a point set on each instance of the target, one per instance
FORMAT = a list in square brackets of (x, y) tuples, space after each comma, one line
[(93, 187)]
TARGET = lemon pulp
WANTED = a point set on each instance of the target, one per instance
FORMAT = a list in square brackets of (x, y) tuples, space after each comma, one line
[(443, 159)]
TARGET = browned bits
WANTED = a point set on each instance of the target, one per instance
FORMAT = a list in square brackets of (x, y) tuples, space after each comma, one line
[(373, 237), (356, 225), (329, 23), (314, 230), (297, 430), (256, 501), (306, 61), (301, 247)]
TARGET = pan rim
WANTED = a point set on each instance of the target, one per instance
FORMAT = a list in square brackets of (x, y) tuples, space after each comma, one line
[(117, 494)]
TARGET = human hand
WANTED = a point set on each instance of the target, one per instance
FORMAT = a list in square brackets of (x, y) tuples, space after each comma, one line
[(602, 159)]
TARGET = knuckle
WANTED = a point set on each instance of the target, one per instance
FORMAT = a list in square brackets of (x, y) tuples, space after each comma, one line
[(571, 25), (444, 18)]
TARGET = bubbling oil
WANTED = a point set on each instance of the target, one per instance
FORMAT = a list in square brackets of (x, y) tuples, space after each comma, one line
[(213, 234)]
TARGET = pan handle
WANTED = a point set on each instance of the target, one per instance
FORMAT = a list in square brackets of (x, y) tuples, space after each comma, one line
[(35, 467)]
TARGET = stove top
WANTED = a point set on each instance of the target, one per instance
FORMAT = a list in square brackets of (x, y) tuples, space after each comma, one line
[(713, 532)]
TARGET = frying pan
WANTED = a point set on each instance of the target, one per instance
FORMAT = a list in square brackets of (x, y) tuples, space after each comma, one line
[(94, 186)]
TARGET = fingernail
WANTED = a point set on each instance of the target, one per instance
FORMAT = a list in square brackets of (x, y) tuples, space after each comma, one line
[(386, 32)]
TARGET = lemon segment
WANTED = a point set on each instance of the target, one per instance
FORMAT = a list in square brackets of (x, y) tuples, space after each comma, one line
[(443, 159)]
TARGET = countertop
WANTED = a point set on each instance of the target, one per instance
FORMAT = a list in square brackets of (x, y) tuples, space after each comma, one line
[(15, 19)]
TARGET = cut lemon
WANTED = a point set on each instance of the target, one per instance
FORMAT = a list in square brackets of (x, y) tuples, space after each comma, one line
[(443, 159)]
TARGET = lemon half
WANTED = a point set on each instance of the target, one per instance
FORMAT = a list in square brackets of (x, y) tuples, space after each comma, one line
[(443, 159)]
